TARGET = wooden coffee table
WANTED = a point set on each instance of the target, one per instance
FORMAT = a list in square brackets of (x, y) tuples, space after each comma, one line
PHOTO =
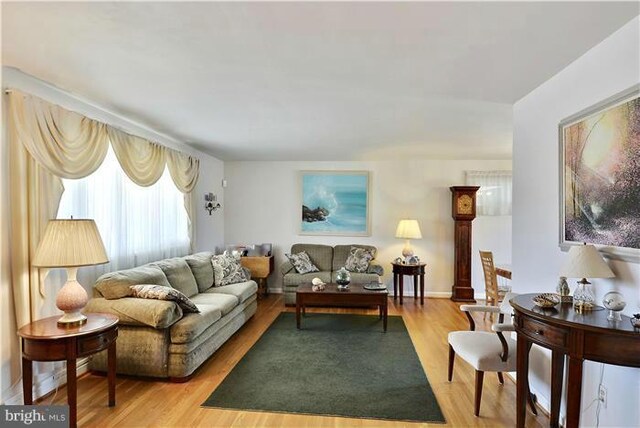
[(355, 295)]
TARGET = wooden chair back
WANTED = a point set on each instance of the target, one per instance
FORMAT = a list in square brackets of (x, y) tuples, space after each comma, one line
[(490, 277)]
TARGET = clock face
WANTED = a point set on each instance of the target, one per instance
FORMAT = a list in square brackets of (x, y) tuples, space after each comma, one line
[(465, 205)]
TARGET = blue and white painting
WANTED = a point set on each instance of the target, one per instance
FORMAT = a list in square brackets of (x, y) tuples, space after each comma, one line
[(335, 203)]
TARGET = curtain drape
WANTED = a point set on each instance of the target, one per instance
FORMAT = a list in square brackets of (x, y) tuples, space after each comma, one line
[(48, 143), (185, 171), (494, 197)]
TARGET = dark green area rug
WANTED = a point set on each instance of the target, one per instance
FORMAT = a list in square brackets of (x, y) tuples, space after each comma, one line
[(338, 365)]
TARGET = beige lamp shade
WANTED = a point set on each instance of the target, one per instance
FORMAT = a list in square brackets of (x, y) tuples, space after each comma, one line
[(70, 243), (584, 261), (408, 229)]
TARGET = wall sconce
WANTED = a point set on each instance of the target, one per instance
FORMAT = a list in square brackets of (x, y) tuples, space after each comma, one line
[(211, 202)]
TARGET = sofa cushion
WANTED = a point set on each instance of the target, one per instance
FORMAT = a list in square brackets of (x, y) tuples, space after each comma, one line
[(295, 279), (224, 302), (115, 285), (320, 255), (160, 292), (200, 264), (192, 325), (179, 275), (227, 270), (341, 252), (242, 290), (302, 263), (358, 260), (138, 312)]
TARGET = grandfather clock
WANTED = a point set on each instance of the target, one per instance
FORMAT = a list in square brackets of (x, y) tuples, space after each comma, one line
[(463, 212)]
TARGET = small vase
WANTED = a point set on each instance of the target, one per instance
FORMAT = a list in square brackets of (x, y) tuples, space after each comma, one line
[(343, 278)]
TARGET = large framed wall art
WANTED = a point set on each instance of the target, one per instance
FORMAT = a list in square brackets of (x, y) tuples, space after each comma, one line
[(600, 176), (334, 203)]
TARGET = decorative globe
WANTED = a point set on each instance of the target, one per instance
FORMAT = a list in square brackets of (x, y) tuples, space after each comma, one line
[(614, 301), (343, 277)]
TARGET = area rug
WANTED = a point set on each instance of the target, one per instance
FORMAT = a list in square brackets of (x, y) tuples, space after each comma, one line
[(337, 365)]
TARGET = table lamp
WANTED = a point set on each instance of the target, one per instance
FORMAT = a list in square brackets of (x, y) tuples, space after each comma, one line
[(71, 244), (408, 229), (584, 261)]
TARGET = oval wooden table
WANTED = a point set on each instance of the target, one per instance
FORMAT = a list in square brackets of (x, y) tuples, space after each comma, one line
[(416, 271), (44, 340), (586, 336)]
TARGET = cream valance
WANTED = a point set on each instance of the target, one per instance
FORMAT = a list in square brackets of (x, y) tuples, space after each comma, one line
[(141, 160)]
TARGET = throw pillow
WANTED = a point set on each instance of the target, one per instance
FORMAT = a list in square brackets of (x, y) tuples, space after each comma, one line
[(161, 292), (302, 263), (227, 270), (358, 260)]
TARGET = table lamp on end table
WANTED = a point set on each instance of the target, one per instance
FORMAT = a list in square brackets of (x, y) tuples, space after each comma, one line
[(584, 261), (408, 229), (71, 244)]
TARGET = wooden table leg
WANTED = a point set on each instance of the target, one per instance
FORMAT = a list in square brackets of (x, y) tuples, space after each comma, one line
[(380, 310), (27, 380), (415, 287), (72, 392), (395, 286), (522, 384), (422, 289), (111, 376), (557, 373), (385, 314), (298, 304), (401, 286), (574, 392)]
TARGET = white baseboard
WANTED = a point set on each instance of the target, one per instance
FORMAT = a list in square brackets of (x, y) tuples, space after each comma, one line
[(47, 383)]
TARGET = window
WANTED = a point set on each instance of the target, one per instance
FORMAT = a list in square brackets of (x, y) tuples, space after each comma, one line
[(138, 224), (494, 196)]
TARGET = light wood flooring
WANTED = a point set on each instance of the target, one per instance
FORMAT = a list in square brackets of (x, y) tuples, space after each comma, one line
[(145, 402)]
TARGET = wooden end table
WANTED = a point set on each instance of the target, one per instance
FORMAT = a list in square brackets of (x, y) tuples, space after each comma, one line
[(44, 340), (355, 295), (415, 270), (261, 267)]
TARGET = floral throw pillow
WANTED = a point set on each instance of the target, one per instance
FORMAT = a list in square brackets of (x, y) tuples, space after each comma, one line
[(162, 292), (227, 270), (359, 259), (302, 263)]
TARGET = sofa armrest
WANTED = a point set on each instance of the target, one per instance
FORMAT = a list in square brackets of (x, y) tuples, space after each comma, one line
[(286, 267), (247, 272), (158, 314), (375, 268)]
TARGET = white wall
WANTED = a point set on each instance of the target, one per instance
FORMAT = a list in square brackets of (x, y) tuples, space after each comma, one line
[(209, 229), (262, 205), (610, 67)]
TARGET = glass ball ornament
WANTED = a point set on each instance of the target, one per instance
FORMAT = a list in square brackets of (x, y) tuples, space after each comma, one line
[(343, 278), (614, 301)]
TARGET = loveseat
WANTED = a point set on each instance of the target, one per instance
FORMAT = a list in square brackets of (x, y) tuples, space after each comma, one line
[(155, 337), (328, 260)]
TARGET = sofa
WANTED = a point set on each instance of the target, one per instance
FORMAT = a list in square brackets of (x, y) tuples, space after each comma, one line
[(328, 260), (155, 337)]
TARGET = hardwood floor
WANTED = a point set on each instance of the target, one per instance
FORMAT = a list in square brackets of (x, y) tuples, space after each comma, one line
[(144, 402)]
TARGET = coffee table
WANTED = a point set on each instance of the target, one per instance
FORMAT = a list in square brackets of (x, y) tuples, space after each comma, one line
[(355, 295)]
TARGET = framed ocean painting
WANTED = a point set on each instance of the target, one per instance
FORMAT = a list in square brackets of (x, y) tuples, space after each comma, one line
[(600, 177), (334, 203)]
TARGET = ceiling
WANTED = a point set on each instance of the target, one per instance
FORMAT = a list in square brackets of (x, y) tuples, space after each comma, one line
[(310, 81)]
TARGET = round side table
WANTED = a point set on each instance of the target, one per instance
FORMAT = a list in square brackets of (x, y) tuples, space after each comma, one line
[(44, 340), (415, 270)]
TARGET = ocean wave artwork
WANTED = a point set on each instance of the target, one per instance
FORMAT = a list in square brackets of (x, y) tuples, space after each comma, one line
[(335, 203)]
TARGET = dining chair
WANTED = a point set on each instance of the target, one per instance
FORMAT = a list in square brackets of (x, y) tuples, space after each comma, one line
[(494, 291), (486, 351)]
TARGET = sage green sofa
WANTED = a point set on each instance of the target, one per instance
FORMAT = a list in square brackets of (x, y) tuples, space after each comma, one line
[(328, 260), (155, 338)]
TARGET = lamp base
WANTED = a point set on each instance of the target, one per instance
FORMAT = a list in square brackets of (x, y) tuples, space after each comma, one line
[(71, 298), (407, 251)]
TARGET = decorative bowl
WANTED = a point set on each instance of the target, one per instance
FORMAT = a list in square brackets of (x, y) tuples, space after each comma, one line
[(546, 300)]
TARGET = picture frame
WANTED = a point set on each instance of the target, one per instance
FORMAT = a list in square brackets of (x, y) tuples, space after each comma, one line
[(335, 203), (599, 153)]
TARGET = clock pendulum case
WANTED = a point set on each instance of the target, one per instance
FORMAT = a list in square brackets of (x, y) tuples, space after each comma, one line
[(463, 213)]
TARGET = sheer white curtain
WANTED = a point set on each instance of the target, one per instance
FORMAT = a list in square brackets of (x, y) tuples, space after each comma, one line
[(494, 196), (138, 224)]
